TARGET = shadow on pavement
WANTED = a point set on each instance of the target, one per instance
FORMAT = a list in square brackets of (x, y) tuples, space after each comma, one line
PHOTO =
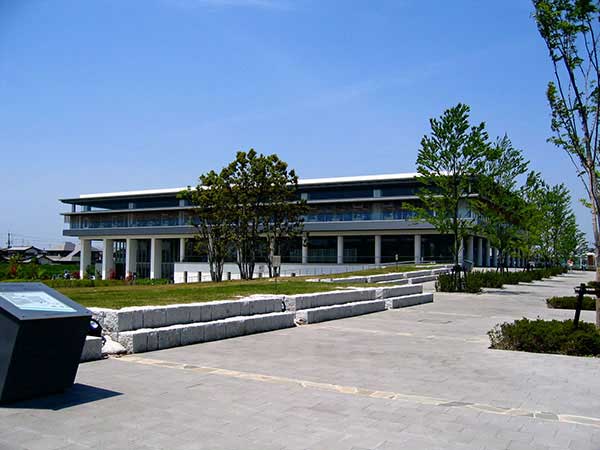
[(78, 394)]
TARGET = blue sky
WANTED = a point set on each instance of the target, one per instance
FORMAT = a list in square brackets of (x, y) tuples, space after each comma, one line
[(111, 95)]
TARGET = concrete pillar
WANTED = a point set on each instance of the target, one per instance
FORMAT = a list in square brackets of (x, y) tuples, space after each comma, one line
[(85, 256), (155, 258), (340, 249), (417, 249), (108, 262), (181, 249), (130, 257), (304, 250), (377, 249), (470, 249), (487, 253), (479, 251)]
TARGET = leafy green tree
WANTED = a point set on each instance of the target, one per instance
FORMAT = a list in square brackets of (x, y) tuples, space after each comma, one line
[(213, 210), (449, 160), (263, 191), (251, 199), (570, 30), (500, 208)]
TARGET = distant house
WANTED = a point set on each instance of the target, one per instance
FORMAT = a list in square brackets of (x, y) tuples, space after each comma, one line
[(66, 253), (25, 252), (61, 250), (70, 253)]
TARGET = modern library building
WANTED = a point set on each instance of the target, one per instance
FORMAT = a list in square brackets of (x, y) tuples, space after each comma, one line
[(352, 222)]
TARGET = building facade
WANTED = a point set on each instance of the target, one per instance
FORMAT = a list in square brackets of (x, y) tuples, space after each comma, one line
[(352, 222)]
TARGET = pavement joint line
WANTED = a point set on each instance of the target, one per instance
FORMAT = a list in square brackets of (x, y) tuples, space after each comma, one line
[(362, 392), (474, 340)]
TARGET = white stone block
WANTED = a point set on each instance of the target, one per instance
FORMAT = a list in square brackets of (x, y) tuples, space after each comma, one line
[(152, 340), (92, 349), (397, 291), (409, 300), (193, 333), (169, 337), (177, 314), (155, 317), (134, 341)]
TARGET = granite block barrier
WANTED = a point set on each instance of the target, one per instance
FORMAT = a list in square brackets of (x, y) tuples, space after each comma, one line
[(315, 300), (423, 279), (144, 340), (398, 291), (408, 300), (92, 349), (135, 318), (324, 313)]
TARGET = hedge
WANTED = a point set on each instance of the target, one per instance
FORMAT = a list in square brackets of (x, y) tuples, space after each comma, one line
[(475, 281), (589, 303), (546, 336)]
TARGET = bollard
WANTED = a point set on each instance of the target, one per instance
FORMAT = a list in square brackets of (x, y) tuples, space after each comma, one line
[(199, 277), (293, 274), (259, 274), (185, 280), (229, 276)]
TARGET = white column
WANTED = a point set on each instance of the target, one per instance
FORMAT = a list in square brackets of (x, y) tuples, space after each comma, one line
[(108, 262), (377, 249), (155, 258), (85, 256), (181, 249), (470, 249), (480, 251), (417, 249), (340, 249), (130, 257), (304, 250)]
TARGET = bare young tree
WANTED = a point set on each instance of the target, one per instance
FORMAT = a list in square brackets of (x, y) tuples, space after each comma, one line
[(570, 29)]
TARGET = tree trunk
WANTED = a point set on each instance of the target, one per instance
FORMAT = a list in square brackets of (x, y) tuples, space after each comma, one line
[(593, 197)]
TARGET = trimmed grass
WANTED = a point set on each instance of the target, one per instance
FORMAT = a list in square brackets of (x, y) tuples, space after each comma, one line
[(382, 270), (121, 296)]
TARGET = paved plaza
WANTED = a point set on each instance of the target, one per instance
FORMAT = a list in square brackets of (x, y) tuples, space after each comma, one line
[(415, 378)]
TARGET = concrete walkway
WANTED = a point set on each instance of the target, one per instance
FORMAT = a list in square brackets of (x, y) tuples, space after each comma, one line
[(415, 378)]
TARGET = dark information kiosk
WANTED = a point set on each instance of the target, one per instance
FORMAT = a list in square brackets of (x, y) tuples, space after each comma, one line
[(42, 334)]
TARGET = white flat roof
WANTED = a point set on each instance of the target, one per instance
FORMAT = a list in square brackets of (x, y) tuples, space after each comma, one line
[(301, 182)]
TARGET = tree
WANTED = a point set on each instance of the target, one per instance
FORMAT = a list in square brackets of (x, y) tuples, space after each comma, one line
[(251, 201), (570, 29), (284, 212), (211, 217), (500, 208), (263, 191), (449, 159)]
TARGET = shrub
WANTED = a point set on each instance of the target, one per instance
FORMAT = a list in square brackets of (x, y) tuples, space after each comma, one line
[(589, 303), (445, 283), (541, 336), (474, 281)]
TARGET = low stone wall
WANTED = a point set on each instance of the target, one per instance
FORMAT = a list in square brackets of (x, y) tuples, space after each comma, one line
[(334, 312), (416, 276), (306, 301), (135, 318), (145, 340)]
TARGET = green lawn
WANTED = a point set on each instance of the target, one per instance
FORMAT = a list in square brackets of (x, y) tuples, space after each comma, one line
[(382, 270), (123, 295)]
